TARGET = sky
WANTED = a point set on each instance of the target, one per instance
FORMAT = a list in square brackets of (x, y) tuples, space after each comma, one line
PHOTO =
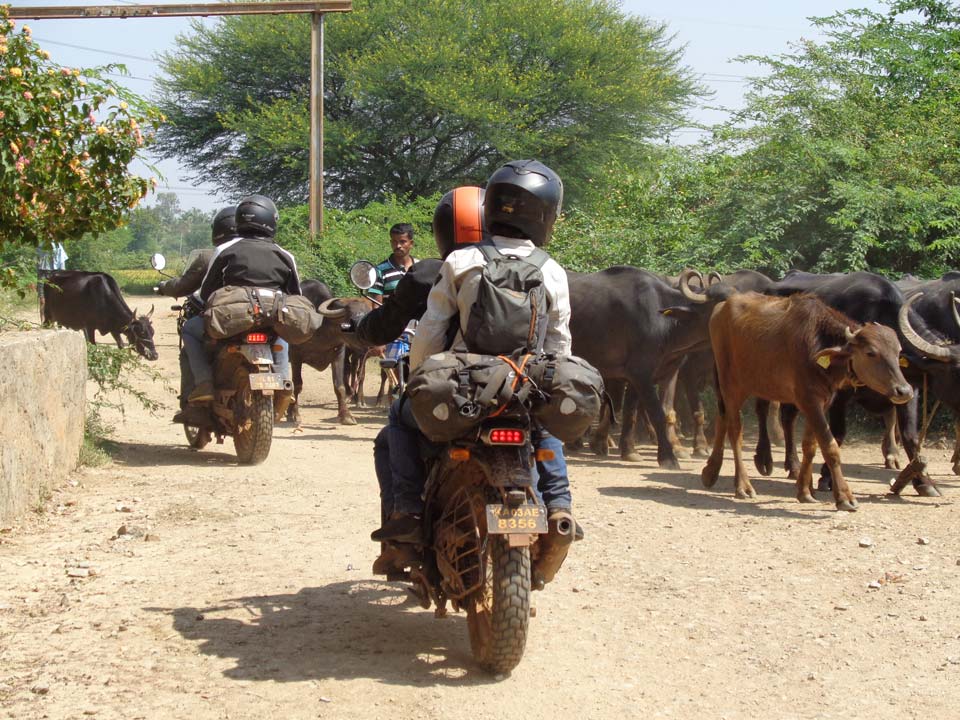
[(710, 33)]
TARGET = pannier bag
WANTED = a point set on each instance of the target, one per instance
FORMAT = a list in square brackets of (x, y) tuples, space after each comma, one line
[(232, 310), (297, 320), (450, 393)]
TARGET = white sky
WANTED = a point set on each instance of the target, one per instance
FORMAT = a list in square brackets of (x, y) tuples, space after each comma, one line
[(712, 33)]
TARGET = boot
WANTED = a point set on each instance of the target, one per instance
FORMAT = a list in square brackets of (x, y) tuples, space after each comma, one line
[(387, 562), (553, 547), (201, 394)]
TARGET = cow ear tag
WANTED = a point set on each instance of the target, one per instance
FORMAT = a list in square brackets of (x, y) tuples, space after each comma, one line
[(823, 361), (903, 362)]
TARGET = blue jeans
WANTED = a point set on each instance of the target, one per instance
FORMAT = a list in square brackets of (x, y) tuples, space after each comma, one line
[(194, 346), (402, 473)]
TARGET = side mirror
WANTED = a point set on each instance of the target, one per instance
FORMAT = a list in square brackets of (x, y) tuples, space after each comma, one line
[(158, 261), (363, 274)]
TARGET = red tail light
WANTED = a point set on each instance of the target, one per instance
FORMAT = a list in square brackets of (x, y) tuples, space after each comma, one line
[(256, 337), (507, 436)]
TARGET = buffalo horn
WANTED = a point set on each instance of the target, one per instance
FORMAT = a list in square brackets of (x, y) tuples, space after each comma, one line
[(850, 334), (924, 347), (324, 309), (953, 306), (150, 314), (713, 278), (685, 288)]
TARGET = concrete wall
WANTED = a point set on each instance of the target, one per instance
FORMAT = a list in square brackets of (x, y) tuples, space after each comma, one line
[(42, 403)]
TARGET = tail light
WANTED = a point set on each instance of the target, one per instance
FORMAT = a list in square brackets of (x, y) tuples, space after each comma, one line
[(256, 337), (506, 436)]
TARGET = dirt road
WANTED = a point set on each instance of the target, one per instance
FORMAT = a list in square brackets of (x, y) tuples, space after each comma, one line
[(242, 592)]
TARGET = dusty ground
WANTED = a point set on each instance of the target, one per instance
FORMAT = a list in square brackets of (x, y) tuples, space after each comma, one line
[(246, 593)]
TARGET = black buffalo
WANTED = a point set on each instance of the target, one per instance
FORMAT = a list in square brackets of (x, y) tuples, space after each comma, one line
[(91, 301)]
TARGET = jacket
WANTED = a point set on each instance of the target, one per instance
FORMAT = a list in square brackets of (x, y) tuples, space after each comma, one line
[(455, 291), (251, 262)]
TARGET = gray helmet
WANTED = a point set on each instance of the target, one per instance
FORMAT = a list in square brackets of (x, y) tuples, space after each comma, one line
[(224, 225), (256, 217), (523, 199)]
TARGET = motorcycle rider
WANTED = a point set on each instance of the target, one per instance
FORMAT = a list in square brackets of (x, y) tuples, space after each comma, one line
[(223, 228), (522, 203), (252, 259)]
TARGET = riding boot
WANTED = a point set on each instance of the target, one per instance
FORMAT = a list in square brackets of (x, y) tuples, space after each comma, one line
[(281, 401), (552, 548)]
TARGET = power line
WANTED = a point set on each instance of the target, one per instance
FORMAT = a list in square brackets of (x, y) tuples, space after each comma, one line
[(96, 50)]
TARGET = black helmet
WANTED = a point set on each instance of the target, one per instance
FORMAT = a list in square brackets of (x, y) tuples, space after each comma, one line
[(458, 219), (224, 225), (256, 217), (523, 200)]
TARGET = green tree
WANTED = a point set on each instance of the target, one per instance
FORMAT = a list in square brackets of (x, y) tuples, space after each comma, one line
[(420, 97), (845, 155), (63, 171)]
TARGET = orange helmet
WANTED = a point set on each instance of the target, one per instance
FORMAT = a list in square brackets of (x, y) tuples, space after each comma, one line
[(458, 219)]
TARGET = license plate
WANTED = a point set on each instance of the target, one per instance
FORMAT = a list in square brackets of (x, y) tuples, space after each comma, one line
[(266, 381), (527, 518)]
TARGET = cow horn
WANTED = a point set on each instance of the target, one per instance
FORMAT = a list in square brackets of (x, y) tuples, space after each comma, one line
[(324, 309), (850, 334), (922, 346), (713, 277), (150, 314), (954, 301), (685, 288)]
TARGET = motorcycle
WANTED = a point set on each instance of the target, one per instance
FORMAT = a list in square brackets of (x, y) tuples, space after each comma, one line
[(244, 385)]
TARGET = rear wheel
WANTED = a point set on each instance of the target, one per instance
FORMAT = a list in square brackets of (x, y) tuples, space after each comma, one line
[(197, 438), (500, 611), (254, 432)]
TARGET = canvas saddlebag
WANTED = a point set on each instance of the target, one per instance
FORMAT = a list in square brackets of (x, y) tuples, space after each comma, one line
[(232, 310), (296, 319), (450, 393)]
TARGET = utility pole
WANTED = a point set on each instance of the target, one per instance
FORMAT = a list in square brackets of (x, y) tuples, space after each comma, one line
[(317, 9)]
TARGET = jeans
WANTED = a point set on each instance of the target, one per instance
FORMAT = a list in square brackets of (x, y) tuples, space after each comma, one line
[(402, 474), (194, 346)]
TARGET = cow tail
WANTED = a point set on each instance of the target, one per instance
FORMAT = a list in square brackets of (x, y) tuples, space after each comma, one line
[(721, 407)]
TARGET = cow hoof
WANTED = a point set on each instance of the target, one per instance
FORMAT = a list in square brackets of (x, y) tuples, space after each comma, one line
[(632, 456), (681, 452), (891, 463), (956, 468), (745, 494), (709, 477), (807, 498), (824, 484), (764, 465), (700, 452), (848, 505), (668, 463), (928, 490), (598, 449), (348, 420)]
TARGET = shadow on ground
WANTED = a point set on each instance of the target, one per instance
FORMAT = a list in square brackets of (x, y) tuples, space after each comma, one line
[(344, 630)]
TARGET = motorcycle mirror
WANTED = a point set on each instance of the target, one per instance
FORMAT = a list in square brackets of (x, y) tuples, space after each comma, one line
[(363, 274), (158, 261)]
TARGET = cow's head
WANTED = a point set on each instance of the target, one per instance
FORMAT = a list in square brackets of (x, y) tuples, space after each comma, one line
[(873, 356), (139, 332), (342, 310)]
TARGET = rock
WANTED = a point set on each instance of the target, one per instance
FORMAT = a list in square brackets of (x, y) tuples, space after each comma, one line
[(150, 537), (865, 542), (78, 572), (325, 699), (875, 585), (923, 541), (841, 606), (123, 507), (923, 618), (40, 689), (129, 532), (811, 676), (199, 616)]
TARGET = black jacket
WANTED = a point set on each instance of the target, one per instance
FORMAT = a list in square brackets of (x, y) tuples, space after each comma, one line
[(251, 262), (408, 302)]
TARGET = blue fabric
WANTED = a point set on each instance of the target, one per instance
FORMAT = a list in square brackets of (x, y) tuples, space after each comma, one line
[(381, 463), (193, 346), (553, 484)]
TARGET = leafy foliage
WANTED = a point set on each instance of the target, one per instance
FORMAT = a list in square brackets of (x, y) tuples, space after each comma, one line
[(63, 172), (420, 97)]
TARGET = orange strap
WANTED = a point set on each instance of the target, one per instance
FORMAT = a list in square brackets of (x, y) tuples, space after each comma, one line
[(520, 377)]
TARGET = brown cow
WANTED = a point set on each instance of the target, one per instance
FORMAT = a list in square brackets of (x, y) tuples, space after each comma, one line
[(795, 350)]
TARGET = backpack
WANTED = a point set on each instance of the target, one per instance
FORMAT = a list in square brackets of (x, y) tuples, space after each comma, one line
[(510, 312)]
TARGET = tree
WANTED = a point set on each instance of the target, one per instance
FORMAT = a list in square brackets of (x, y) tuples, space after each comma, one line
[(420, 97), (63, 171), (845, 156)]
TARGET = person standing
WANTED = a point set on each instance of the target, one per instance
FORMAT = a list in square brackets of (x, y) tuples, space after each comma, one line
[(49, 259), (400, 261)]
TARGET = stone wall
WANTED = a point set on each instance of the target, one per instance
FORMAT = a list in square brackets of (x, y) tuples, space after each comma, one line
[(42, 403)]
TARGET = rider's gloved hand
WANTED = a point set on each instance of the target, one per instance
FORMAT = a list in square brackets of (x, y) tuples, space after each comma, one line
[(158, 289), (192, 306)]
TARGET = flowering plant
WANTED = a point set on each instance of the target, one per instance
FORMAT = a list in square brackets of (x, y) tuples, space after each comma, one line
[(67, 138)]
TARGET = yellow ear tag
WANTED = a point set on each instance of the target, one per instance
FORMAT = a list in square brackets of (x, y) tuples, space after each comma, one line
[(823, 361), (903, 362), (666, 312)]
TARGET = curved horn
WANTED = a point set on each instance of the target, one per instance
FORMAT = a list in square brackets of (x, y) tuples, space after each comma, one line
[(685, 288), (713, 277), (150, 314), (954, 301), (324, 309), (850, 334), (922, 346)]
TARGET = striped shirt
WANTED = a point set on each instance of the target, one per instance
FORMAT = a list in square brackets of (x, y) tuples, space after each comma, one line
[(388, 275)]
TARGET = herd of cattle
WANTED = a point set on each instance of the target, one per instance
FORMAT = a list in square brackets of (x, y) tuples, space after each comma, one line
[(810, 342)]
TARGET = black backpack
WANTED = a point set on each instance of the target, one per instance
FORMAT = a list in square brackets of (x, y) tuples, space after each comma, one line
[(510, 312)]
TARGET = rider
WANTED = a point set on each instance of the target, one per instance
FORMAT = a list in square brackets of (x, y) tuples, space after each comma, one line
[(522, 202), (223, 228), (253, 259)]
